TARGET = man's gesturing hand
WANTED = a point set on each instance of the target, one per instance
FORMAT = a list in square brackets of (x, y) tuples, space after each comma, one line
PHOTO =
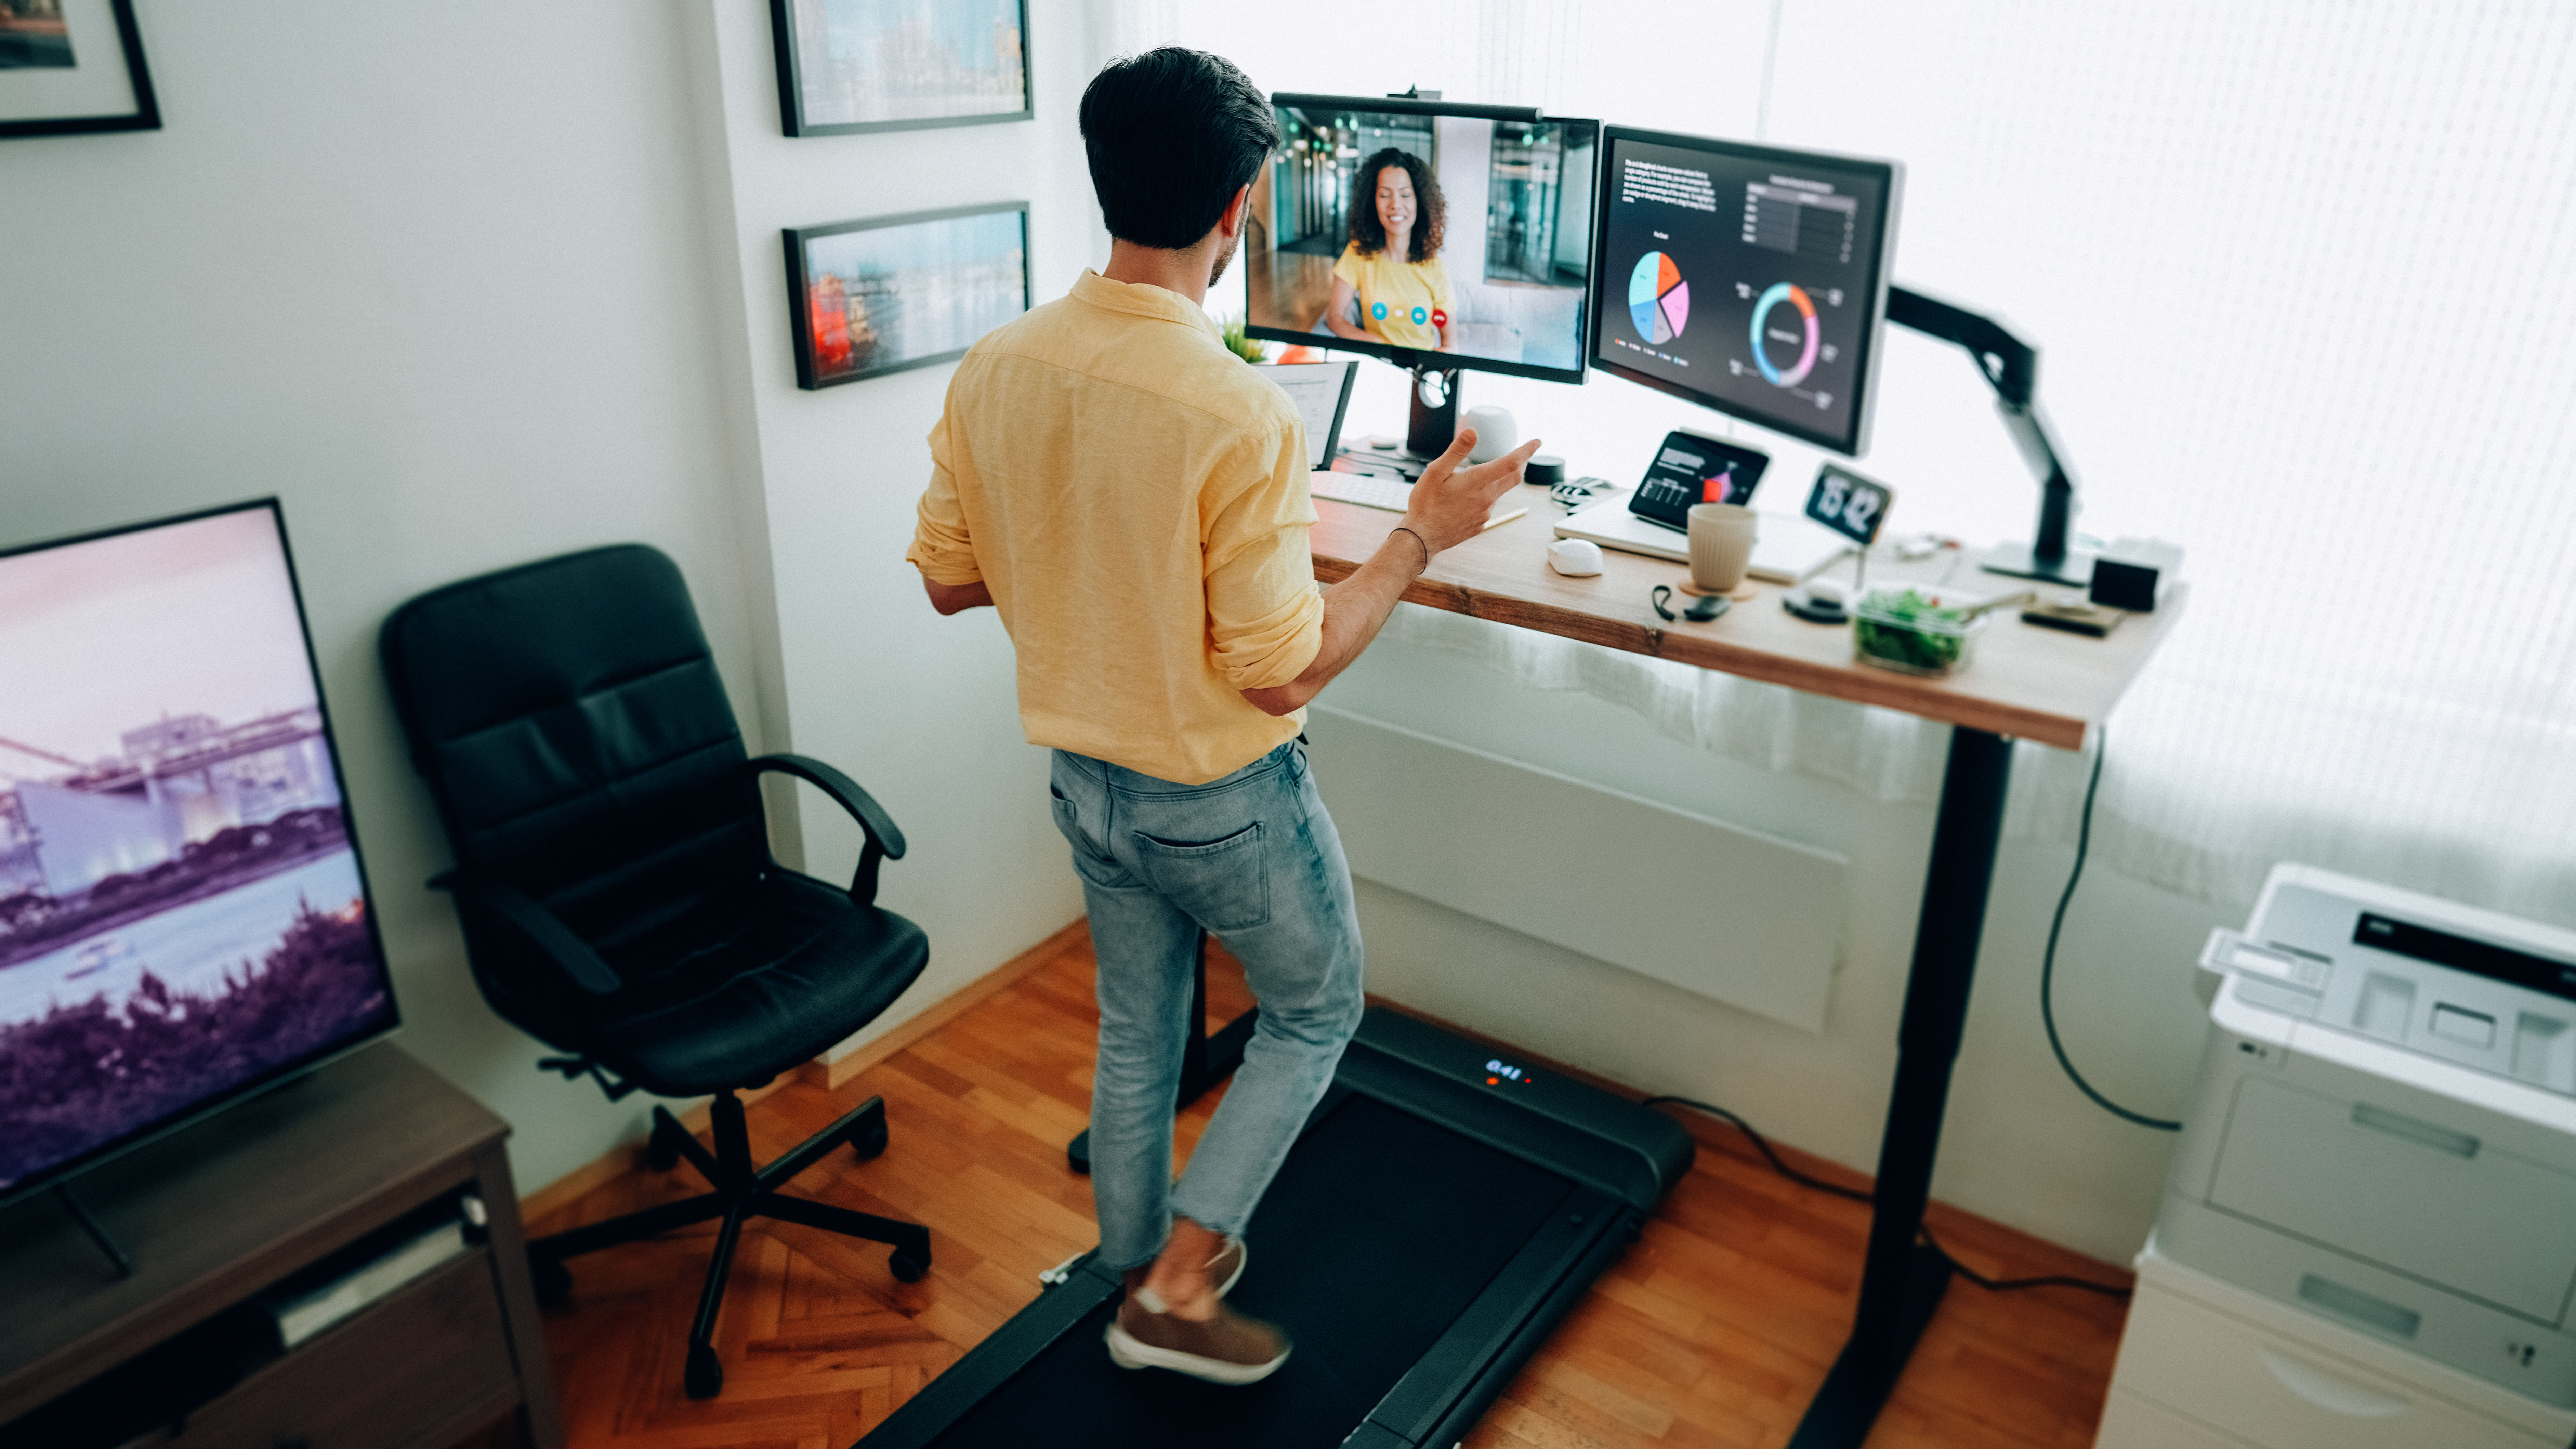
[(1450, 504)]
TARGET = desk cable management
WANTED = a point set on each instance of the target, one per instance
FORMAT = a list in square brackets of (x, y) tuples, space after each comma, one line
[(2048, 1018)]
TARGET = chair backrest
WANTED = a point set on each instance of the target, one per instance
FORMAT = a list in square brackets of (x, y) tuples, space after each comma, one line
[(569, 719)]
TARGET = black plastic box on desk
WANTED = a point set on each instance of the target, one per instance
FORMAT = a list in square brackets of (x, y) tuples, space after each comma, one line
[(2133, 573)]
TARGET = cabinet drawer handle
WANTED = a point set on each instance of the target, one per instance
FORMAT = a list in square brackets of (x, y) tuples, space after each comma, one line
[(2398, 1124), (2328, 1392)]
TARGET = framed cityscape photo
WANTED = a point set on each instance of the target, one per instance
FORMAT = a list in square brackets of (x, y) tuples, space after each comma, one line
[(846, 66), (68, 66), (867, 298)]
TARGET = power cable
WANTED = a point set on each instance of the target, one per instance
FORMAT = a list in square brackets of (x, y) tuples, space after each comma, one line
[(1771, 1155), (2048, 958)]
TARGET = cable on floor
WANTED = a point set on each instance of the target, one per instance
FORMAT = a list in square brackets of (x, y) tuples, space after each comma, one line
[(1762, 1145), (2048, 958), (1771, 1155)]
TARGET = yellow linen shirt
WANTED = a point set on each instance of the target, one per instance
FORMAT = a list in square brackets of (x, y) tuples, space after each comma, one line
[(1134, 496), (1401, 302)]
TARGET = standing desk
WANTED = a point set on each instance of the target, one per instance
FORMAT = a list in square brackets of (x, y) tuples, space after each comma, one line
[(2025, 683)]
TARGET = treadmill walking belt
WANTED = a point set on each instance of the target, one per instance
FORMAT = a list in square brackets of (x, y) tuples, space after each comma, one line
[(1441, 1212), (1363, 1284)]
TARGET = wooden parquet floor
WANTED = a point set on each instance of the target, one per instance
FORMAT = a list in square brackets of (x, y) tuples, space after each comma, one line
[(1713, 1330)]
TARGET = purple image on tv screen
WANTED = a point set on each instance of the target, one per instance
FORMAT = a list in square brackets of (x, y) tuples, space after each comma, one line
[(183, 916)]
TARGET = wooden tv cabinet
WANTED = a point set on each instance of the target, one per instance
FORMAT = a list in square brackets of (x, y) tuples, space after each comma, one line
[(215, 1215)]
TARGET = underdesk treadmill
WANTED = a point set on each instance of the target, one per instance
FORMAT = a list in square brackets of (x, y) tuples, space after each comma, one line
[(1444, 1208)]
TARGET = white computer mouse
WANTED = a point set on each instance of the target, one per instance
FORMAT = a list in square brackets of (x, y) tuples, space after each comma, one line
[(1576, 558)]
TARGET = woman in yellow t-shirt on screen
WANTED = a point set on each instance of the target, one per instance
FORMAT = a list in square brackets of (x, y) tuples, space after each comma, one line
[(1392, 265)]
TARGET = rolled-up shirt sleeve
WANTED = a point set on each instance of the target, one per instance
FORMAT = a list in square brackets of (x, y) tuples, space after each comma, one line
[(1265, 614), (942, 548)]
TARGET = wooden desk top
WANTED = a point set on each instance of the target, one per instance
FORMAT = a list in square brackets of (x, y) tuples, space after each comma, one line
[(2026, 682)]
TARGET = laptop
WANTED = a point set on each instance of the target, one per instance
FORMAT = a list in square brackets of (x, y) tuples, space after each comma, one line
[(1787, 547), (1691, 468), (1322, 393)]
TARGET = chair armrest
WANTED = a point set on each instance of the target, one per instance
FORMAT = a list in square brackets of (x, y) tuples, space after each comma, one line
[(570, 953), (885, 841)]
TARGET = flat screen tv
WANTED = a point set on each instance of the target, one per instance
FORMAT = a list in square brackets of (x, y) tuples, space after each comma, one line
[(183, 917)]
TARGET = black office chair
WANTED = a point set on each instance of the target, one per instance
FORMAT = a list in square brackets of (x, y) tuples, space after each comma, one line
[(614, 881)]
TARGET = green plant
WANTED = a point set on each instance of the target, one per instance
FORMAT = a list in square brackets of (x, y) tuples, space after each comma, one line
[(1911, 632), (1240, 345)]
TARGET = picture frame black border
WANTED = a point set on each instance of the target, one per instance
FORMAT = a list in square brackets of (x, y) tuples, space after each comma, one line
[(799, 316), (146, 115), (71, 1169), (1412, 357), (1852, 443), (791, 89)]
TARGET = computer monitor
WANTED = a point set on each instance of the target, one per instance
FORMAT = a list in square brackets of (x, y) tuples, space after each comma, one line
[(183, 916), (1746, 278), (1495, 208)]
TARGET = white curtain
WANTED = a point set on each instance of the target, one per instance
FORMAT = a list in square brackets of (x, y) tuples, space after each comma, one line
[(2304, 278)]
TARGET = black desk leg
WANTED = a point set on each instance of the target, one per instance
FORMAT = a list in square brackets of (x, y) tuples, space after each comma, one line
[(1208, 1060), (1903, 1280)]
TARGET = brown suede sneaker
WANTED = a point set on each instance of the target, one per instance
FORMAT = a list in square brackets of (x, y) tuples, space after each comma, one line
[(1226, 1349)]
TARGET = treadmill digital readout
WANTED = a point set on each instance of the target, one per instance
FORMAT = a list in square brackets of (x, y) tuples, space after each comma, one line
[(1499, 1072)]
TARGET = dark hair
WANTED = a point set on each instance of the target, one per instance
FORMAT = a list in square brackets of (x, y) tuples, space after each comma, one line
[(1172, 134), (1430, 216)]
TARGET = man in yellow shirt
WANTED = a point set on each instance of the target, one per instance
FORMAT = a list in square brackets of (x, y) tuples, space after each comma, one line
[(1132, 499)]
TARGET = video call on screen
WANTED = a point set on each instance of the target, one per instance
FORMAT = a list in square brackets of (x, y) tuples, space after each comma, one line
[(1517, 202), (1741, 279)]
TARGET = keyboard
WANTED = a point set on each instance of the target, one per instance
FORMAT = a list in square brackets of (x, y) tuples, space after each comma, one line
[(1367, 490)]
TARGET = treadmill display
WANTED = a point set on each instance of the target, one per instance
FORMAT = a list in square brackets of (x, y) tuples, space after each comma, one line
[(1377, 1234)]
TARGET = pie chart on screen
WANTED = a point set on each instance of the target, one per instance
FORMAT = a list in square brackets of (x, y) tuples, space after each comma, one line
[(1658, 298)]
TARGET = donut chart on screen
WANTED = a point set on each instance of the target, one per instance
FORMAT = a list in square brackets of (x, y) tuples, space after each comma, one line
[(1658, 298), (1796, 297)]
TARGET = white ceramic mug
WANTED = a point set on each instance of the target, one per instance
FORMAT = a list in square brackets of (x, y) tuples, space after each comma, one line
[(1721, 544), (1496, 433)]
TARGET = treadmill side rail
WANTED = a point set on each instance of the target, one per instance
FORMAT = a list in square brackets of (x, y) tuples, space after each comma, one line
[(1454, 1381), (1470, 1405), (950, 1396)]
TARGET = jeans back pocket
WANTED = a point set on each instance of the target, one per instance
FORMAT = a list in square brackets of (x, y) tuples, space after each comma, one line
[(1223, 884)]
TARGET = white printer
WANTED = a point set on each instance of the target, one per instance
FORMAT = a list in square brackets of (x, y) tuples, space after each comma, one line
[(2385, 1130)]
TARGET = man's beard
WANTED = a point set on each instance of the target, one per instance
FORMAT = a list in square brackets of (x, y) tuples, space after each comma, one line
[(1224, 260)]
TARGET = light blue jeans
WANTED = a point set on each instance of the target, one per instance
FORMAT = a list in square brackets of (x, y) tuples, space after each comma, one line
[(1252, 859)]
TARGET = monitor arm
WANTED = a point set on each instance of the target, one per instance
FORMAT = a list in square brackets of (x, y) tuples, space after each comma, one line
[(2011, 367)]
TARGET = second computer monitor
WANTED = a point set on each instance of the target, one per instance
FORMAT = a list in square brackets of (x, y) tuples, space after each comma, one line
[(1746, 278), (1456, 234)]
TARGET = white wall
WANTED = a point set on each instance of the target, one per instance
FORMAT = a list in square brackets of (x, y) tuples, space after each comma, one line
[(921, 710), (436, 277)]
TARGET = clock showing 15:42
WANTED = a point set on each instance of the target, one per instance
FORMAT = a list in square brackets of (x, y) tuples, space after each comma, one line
[(1849, 504)]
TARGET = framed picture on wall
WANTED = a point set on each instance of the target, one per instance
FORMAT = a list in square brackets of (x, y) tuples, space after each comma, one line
[(871, 297), (846, 66), (72, 65)]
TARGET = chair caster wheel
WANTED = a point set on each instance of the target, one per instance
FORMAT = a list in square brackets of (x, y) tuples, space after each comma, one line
[(704, 1377), (908, 1268), (552, 1280), (870, 1144)]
